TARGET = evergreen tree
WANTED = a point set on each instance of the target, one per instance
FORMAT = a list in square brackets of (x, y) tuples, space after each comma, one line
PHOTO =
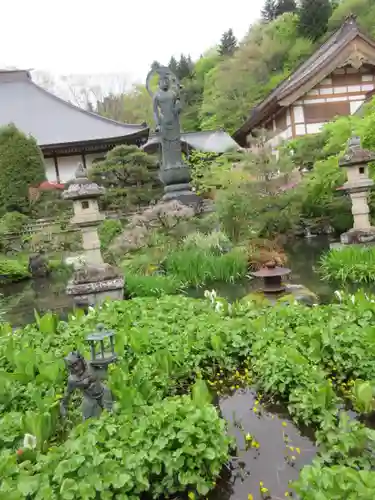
[(184, 67), (228, 43), (21, 167), (173, 65), (283, 6), (313, 18), (269, 11)]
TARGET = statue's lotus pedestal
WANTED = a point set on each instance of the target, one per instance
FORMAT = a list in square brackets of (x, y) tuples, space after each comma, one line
[(93, 284), (176, 182)]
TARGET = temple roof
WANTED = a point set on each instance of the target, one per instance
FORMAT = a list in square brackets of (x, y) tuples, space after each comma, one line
[(212, 141), (322, 59), (51, 120)]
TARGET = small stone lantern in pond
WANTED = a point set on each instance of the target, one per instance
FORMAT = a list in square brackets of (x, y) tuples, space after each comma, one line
[(102, 347), (272, 278)]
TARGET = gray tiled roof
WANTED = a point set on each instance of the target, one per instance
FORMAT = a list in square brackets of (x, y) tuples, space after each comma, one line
[(50, 119), (212, 141)]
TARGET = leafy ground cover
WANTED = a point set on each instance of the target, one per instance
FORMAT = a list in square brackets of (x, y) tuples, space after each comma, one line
[(165, 437), (354, 264)]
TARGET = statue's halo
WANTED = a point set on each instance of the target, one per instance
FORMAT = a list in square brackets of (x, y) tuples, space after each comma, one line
[(161, 72)]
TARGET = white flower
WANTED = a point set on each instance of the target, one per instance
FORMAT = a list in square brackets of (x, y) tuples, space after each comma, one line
[(213, 294), (29, 441), (207, 294), (338, 295), (218, 306), (352, 298)]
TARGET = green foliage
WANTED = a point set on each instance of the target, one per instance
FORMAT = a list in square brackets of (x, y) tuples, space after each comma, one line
[(21, 167), (12, 270), (313, 18), (130, 176), (228, 43), (197, 267), (151, 285), (354, 264), (108, 230), (159, 443), (215, 242)]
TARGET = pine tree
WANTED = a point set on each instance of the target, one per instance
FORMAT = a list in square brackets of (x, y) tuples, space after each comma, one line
[(228, 43), (283, 6), (269, 11), (313, 18), (21, 167), (173, 65), (184, 67)]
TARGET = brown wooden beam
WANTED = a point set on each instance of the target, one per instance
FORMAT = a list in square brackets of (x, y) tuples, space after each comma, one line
[(56, 163)]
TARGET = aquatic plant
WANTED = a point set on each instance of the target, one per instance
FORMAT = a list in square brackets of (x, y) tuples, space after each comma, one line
[(196, 267), (152, 285), (158, 442), (354, 264)]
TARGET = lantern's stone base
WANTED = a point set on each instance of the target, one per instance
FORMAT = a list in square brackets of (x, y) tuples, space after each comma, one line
[(354, 236), (92, 285)]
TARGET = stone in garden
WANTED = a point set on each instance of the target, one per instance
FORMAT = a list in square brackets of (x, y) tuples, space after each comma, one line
[(93, 284), (82, 376), (38, 266), (355, 161)]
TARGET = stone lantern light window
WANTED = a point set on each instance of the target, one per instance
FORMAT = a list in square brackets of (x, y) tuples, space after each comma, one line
[(84, 204)]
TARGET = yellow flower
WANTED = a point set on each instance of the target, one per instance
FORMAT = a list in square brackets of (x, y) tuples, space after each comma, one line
[(261, 483), (264, 490), (298, 451), (249, 437), (255, 410), (291, 448), (284, 424), (256, 402), (250, 497), (237, 386), (286, 494)]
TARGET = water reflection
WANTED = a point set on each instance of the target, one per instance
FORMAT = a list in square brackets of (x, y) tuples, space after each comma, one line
[(19, 300), (283, 450)]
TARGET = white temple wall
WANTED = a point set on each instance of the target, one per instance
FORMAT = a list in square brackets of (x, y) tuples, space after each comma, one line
[(67, 166)]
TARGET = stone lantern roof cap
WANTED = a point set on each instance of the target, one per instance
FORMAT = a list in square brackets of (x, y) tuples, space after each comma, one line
[(355, 154), (82, 187)]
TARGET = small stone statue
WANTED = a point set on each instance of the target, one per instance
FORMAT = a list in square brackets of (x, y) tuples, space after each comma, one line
[(81, 172), (82, 376)]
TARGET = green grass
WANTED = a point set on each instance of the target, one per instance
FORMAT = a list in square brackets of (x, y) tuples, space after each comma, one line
[(137, 285), (196, 267), (354, 264)]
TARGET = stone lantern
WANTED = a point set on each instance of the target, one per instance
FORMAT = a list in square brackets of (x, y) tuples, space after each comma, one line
[(84, 195), (355, 162), (94, 281)]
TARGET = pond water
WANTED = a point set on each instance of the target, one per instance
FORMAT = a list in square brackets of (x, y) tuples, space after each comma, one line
[(21, 299), (283, 449)]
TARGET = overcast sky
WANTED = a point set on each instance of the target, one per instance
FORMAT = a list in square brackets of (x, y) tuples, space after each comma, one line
[(114, 36)]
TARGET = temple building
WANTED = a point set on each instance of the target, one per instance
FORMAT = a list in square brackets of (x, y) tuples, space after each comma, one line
[(66, 134), (334, 81)]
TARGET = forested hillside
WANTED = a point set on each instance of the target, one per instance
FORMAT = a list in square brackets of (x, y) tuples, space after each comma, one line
[(228, 80)]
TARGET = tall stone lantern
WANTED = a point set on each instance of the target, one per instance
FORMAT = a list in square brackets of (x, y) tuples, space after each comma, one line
[(355, 162), (84, 195), (94, 281)]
